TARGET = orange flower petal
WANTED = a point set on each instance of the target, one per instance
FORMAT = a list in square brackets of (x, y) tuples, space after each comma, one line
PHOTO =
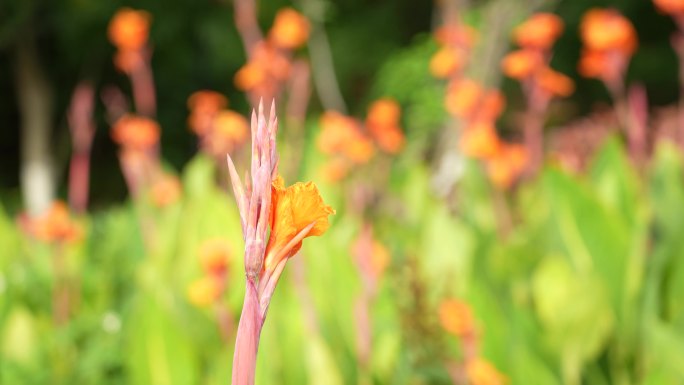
[(290, 29), (540, 31), (129, 28)]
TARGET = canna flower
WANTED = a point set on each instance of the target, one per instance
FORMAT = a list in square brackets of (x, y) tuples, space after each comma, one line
[(607, 30), (250, 76), (136, 132), (293, 209), (457, 318), (540, 31), (335, 169), (555, 83), (480, 141), (229, 130), (463, 97), (267, 67), (670, 7), (129, 29), (215, 255), (342, 135), (521, 64), (507, 165), (290, 29), (492, 106), (382, 122), (204, 291), (54, 226), (166, 190), (204, 106), (481, 372), (446, 62)]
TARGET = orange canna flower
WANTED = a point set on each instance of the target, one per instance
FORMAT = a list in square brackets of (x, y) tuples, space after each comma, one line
[(383, 112), (540, 31), (207, 101), (457, 318), (293, 209), (480, 141), (460, 35), (446, 62), (480, 372), (341, 134), (129, 29), (55, 225), (166, 190), (492, 106), (229, 129), (359, 150), (215, 255), (555, 83), (250, 76), (204, 291), (136, 132), (390, 139), (606, 30), (508, 164), (462, 97), (521, 64), (290, 29), (670, 7), (604, 65)]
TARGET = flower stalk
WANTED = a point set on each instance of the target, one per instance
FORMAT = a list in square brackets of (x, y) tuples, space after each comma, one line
[(275, 220)]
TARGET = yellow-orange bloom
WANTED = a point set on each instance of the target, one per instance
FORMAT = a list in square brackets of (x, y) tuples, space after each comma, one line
[(540, 31), (55, 225), (480, 372), (463, 97), (389, 139), (129, 28), (671, 7), (606, 30), (215, 255), (508, 164), (492, 106), (204, 291), (250, 76), (292, 210), (342, 134), (480, 140), (290, 29), (383, 112), (166, 190), (446, 62), (457, 318), (521, 64), (136, 132), (555, 83), (229, 129)]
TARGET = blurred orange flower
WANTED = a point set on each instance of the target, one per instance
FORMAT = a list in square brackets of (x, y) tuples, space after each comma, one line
[(129, 28), (540, 31), (204, 291), (671, 7), (228, 130), (462, 97), (446, 62), (54, 225), (460, 35), (507, 165), (521, 64), (492, 106), (341, 134), (292, 210), (480, 372), (250, 76), (204, 105), (382, 122), (380, 258), (335, 169), (457, 318), (290, 29), (480, 140), (606, 30), (165, 190), (136, 132), (555, 83), (215, 255), (264, 70)]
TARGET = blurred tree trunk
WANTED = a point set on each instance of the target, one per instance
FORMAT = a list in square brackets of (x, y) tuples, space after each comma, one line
[(35, 107)]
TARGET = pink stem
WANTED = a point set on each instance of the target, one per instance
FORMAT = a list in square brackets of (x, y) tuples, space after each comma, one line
[(142, 82), (247, 341), (79, 177)]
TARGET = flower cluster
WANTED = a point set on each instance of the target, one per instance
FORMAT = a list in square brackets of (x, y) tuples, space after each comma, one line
[(457, 319), (214, 255), (269, 62), (128, 31), (55, 225), (349, 142), (220, 130), (609, 42)]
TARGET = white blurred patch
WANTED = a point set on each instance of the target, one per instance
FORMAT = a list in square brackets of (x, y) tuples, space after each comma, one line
[(111, 323)]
